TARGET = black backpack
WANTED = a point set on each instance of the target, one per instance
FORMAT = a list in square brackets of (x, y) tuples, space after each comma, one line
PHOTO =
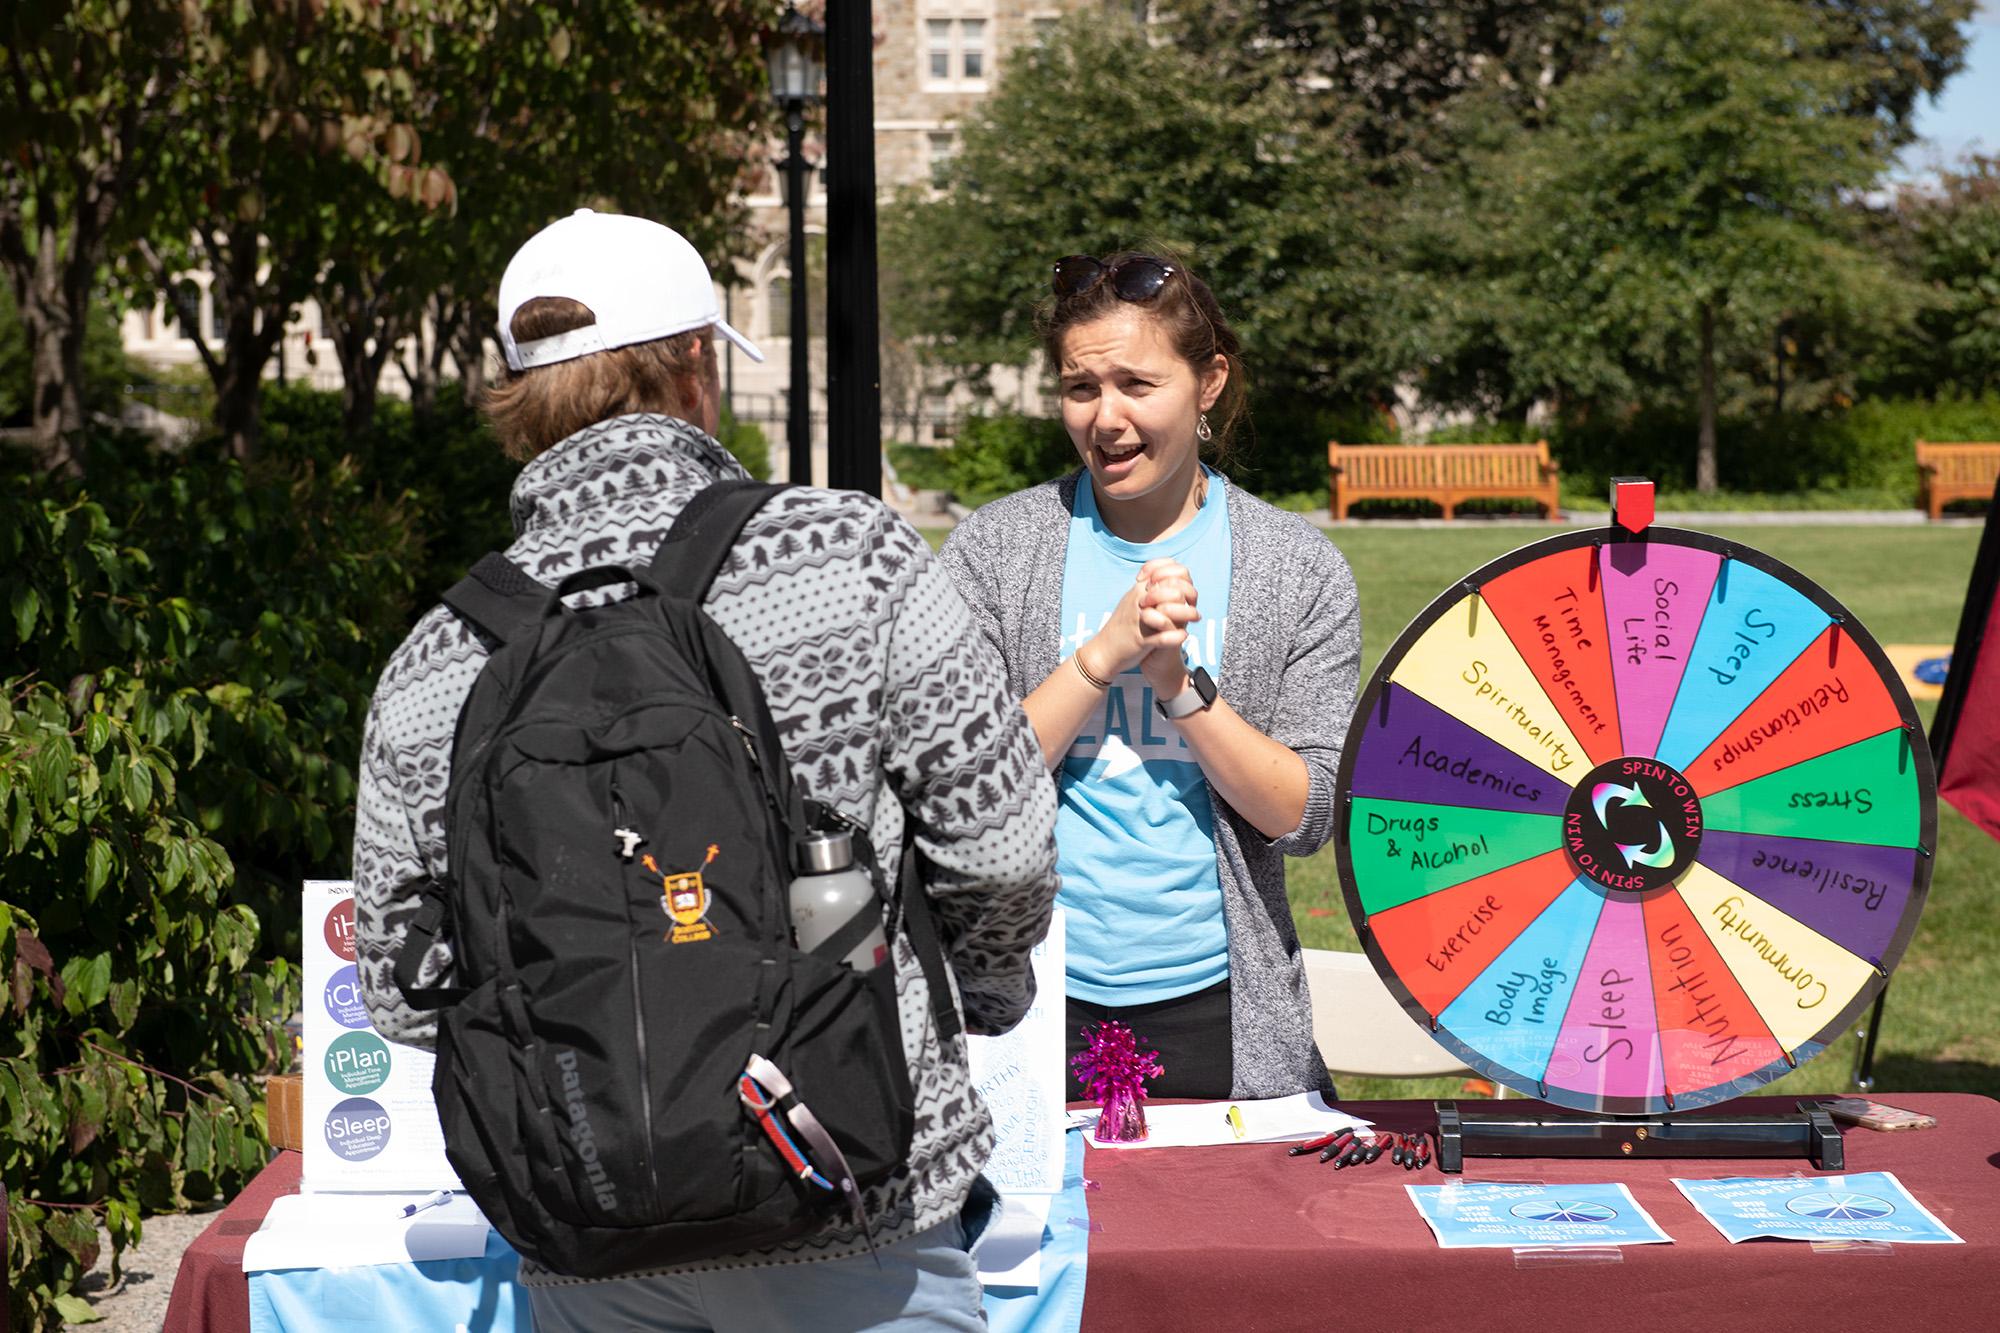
[(635, 1067)]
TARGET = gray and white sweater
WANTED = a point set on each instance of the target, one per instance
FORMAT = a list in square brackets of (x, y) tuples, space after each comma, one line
[(1291, 661), (833, 599)]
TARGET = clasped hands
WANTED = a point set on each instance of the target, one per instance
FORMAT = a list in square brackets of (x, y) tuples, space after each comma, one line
[(1147, 629)]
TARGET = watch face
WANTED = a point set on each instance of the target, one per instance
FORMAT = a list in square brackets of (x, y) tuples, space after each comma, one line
[(1198, 695)]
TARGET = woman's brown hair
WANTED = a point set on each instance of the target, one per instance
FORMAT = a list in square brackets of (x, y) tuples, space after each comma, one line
[(1185, 309), (535, 408)]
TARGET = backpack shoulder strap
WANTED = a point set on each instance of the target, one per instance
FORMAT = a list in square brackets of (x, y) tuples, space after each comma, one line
[(499, 598), (915, 901), (697, 546)]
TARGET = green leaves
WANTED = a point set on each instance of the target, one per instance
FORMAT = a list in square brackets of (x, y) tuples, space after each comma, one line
[(88, 981), (129, 946), (1257, 187), (96, 868), (27, 606)]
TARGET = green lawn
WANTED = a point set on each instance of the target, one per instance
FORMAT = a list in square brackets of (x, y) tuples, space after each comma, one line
[(1906, 586)]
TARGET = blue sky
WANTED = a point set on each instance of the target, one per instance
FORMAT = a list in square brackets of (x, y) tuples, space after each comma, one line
[(1967, 114)]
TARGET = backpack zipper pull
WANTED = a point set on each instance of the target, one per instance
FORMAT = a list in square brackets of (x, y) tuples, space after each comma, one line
[(628, 838), (743, 734)]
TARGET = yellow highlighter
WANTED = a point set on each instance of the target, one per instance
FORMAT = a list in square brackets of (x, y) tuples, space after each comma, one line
[(1235, 1119)]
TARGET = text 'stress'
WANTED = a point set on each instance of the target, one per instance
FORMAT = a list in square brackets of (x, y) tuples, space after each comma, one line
[(370, 1123), (1635, 825)]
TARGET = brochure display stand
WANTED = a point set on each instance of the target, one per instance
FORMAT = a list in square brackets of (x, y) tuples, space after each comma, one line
[(370, 1122)]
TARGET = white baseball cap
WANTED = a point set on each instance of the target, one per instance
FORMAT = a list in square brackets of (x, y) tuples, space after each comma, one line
[(643, 281)]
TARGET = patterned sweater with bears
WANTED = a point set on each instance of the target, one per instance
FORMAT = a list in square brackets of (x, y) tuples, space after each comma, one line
[(891, 706)]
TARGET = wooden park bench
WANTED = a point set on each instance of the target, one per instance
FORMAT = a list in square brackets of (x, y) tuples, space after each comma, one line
[(1947, 472), (1447, 473)]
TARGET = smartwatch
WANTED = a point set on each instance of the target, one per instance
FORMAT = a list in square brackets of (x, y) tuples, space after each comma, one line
[(1198, 697)]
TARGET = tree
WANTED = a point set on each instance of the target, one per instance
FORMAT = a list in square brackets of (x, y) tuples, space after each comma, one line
[(1392, 66), (1681, 199), (1951, 236), (535, 110), (1402, 65), (1898, 50), (300, 127), (1082, 151), (102, 358), (89, 86)]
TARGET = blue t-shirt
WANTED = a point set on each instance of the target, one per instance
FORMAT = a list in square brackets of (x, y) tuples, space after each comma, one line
[(1135, 835)]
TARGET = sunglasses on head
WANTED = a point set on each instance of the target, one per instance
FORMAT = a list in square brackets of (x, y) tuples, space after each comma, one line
[(1136, 279)]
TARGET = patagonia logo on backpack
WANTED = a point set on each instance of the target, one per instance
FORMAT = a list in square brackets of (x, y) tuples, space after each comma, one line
[(580, 1135), (636, 1066)]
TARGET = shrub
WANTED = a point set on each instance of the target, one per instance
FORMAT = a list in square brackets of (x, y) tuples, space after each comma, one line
[(446, 470), (185, 662), (1281, 456), (998, 455), (1857, 457), (920, 467), (136, 1012), (746, 439)]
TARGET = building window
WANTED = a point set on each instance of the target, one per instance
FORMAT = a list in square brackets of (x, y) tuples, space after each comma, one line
[(972, 48), (943, 145), (938, 417), (1045, 28), (940, 44), (954, 50), (778, 313)]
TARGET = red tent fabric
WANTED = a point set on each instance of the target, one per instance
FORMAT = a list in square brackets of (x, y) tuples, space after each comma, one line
[(1966, 733)]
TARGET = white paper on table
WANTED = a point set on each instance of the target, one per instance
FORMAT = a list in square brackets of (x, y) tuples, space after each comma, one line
[(1305, 1115), (1010, 1253), (342, 1230), (1020, 1075)]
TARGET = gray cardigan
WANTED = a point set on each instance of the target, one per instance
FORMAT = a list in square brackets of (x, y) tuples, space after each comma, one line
[(1291, 660)]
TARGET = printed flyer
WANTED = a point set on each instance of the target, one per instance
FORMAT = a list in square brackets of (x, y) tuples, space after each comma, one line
[(1537, 1216), (1870, 1206), (1020, 1075), (370, 1123)]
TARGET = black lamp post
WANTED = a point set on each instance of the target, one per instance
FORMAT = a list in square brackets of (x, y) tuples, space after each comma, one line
[(794, 63), (853, 349)]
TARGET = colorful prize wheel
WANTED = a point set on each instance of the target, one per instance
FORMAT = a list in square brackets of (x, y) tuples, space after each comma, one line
[(1635, 824)]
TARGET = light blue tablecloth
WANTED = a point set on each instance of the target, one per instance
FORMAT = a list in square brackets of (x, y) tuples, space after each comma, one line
[(480, 1295), (1056, 1306), (438, 1296)]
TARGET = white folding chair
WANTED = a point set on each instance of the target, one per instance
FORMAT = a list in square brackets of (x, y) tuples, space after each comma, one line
[(1361, 1029)]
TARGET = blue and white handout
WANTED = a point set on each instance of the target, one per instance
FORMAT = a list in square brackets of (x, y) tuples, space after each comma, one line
[(1522, 1216), (1870, 1206)]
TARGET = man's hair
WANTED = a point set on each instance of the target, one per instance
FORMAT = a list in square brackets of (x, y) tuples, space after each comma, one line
[(533, 409)]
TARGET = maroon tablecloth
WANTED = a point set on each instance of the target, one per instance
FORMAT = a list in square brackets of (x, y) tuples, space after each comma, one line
[(1249, 1239), (211, 1295)]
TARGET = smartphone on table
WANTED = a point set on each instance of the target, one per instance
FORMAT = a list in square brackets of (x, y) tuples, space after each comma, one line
[(1871, 1114)]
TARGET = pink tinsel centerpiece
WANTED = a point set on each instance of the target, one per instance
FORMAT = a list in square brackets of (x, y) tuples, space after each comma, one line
[(1113, 1071)]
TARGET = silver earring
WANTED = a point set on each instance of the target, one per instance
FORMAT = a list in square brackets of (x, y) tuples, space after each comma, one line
[(1202, 430)]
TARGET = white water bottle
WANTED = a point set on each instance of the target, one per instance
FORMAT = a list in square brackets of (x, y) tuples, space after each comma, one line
[(834, 900)]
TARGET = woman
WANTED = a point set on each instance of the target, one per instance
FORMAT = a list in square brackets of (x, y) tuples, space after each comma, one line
[(1188, 657)]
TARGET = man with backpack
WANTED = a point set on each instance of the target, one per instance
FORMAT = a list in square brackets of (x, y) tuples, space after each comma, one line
[(588, 779)]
